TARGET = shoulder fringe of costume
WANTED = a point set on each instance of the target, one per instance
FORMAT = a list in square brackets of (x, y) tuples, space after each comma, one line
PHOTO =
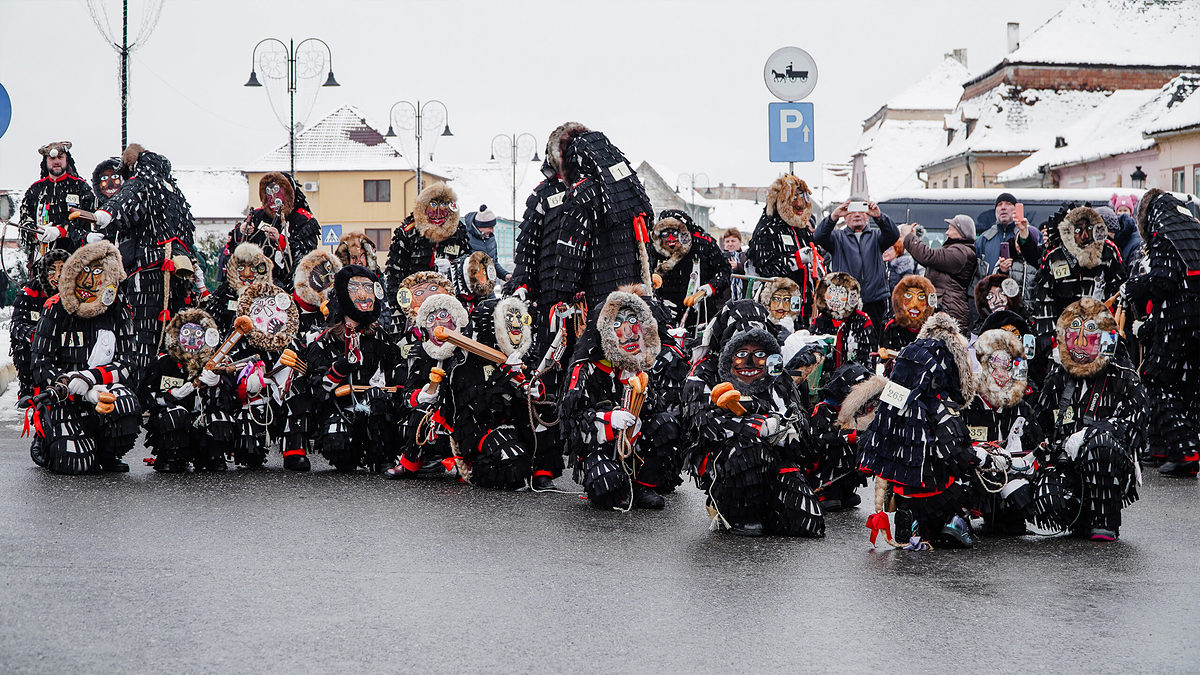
[(457, 311), (501, 328), (435, 233), (725, 363), (193, 361), (910, 281), (608, 337), (838, 279), (943, 327), (780, 196), (860, 395), (285, 184), (992, 341), (251, 253), (670, 259), (1082, 216), (257, 337), (114, 273), (1084, 308), (300, 277)]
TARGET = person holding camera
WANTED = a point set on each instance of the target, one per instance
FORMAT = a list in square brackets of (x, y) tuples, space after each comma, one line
[(857, 250), (1011, 246)]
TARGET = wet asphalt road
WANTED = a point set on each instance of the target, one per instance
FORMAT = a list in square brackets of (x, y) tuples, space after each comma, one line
[(277, 572)]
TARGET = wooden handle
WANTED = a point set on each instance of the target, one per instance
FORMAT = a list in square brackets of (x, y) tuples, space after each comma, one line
[(345, 389), (477, 348), (105, 401), (720, 390), (732, 401)]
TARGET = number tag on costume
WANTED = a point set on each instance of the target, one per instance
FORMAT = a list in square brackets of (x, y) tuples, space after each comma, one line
[(1060, 270), (788, 243), (104, 349), (169, 383), (978, 434), (1067, 417), (283, 301), (452, 250), (72, 200), (405, 350), (403, 297), (895, 395), (212, 338), (34, 316), (555, 200), (232, 305), (619, 171), (487, 372)]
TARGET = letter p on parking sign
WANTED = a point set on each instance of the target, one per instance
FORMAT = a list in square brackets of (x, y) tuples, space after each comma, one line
[(791, 132)]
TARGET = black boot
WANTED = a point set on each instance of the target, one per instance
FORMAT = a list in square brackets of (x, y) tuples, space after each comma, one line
[(746, 529), (112, 464), (956, 534), (1179, 469), (542, 483), (646, 498), (170, 465), (296, 460), (215, 463)]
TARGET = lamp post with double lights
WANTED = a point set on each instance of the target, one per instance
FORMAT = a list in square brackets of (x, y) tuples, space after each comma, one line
[(293, 64), (694, 179), (519, 149), (420, 118)]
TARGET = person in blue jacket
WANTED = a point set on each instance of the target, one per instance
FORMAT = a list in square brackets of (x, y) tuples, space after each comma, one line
[(481, 231), (857, 250)]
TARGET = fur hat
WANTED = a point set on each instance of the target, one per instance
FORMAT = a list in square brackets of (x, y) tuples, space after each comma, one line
[(853, 291), (944, 328), (55, 148), (493, 319), (252, 257), (275, 337), (1084, 218), (616, 301), (432, 346), (991, 281), (474, 275), (859, 406), (287, 194), (725, 366), (43, 268), (559, 139), (677, 220), (412, 304), (100, 254), (918, 282), (1085, 309), (302, 278), (354, 244), (345, 306), (991, 342), (436, 232), (782, 193), (210, 339), (778, 285)]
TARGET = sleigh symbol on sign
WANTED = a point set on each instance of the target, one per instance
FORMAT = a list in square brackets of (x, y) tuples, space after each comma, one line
[(789, 74)]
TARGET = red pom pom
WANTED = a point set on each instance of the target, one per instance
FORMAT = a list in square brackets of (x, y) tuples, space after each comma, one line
[(168, 266), (164, 316)]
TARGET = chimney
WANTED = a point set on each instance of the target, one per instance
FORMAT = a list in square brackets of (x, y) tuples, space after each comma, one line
[(1014, 36), (959, 55)]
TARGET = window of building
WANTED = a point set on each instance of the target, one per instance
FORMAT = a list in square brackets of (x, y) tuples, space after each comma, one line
[(380, 236), (1177, 180), (377, 190), (968, 181), (956, 181), (945, 182), (1196, 179)]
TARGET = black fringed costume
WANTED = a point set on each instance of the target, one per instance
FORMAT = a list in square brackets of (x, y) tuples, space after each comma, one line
[(27, 310), (839, 313), (541, 227), (781, 245), (1072, 270), (48, 201), (835, 452), (431, 232), (284, 208), (686, 258)]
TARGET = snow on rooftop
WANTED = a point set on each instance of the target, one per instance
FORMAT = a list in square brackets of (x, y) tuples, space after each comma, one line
[(214, 193), (1114, 127), (343, 140), (1182, 115), (894, 149), (1118, 32), (940, 89)]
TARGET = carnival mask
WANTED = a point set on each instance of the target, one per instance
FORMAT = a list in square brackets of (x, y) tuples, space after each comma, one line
[(359, 259), (274, 201), (915, 302), (53, 274), (996, 299), (439, 210), (839, 299), (749, 362), (669, 239), (411, 298), (268, 314), (781, 304), (87, 284), (1003, 369), (514, 323), (439, 317), (362, 293), (249, 271), (628, 329), (110, 183), (1083, 340), (321, 277), (799, 200), (191, 337)]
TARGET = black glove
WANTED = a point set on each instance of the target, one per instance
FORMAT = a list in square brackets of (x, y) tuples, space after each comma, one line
[(344, 368)]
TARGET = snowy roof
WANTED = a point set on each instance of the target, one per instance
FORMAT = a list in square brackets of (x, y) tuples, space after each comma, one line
[(894, 149), (682, 181), (1112, 128), (491, 184), (1182, 115), (214, 193), (1116, 32), (940, 89), (343, 140)]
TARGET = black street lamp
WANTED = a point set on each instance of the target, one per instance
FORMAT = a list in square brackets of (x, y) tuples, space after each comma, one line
[(1138, 177), (276, 66), (694, 178), (514, 148), (420, 115)]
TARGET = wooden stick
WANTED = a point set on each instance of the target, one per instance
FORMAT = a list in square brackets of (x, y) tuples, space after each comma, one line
[(241, 326), (477, 348), (345, 389)]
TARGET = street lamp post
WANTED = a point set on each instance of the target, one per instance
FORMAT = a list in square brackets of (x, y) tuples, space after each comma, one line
[(418, 111), (694, 178), (510, 148), (275, 68)]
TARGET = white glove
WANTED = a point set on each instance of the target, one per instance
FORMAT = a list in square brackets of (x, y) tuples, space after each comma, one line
[(425, 396), (706, 289), (1022, 464), (1073, 443), (209, 378), (48, 234), (81, 381), (443, 266), (93, 237), (999, 462), (514, 359), (806, 255), (103, 218), (182, 391), (521, 293), (770, 426), (622, 420)]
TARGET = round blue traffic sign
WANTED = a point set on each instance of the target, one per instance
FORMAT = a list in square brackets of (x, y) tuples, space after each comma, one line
[(5, 110)]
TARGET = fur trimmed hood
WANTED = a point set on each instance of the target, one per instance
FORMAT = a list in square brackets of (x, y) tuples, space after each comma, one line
[(355, 244), (768, 289), (286, 194), (859, 406), (853, 293), (269, 298), (901, 316), (345, 305), (559, 140), (1084, 218), (1145, 227), (991, 281), (112, 164), (1085, 309), (616, 301), (44, 266), (435, 232), (740, 339), (491, 323), (781, 195), (944, 328), (100, 255), (992, 342), (441, 350), (251, 257), (302, 278), (410, 301), (474, 276), (682, 223), (210, 339)]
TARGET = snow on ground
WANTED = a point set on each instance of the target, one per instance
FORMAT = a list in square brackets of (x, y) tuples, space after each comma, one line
[(10, 416)]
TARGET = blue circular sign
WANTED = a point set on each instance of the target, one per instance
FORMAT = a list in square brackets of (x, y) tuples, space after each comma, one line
[(5, 110)]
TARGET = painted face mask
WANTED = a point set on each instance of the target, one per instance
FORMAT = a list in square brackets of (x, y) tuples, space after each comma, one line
[(362, 293), (267, 316), (629, 332), (419, 293), (441, 317), (52, 277), (321, 276), (780, 305), (249, 271), (837, 299), (439, 210), (799, 201), (1002, 369), (191, 337), (274, 200), (514, 322), (360, 259), (87, 284), (996, 300), (749, 362), (669, 239), (916, 302), (110, 183), (1083, 340)]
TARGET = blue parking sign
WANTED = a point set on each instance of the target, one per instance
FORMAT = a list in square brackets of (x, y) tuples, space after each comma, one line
[(331, 234), (791, 132)]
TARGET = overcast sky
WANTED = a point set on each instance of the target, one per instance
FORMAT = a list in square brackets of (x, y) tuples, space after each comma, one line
[(679, 83)]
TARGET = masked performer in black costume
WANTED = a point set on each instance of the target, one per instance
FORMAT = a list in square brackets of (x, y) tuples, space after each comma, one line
[(27, 310), (430, 238), (694, 274), (781, 245)]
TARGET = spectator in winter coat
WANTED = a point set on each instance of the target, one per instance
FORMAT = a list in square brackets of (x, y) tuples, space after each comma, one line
[(1122, 231), (858, 250), (1024, 245), (731, 245), (481, 231), (950, 267)]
